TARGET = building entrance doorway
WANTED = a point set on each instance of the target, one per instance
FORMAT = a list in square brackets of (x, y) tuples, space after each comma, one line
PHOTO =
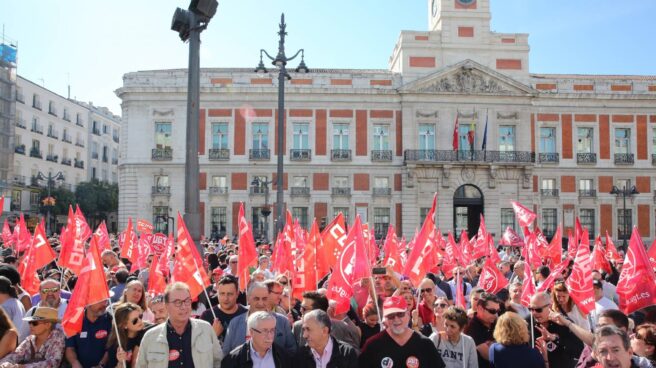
[(467, 209)]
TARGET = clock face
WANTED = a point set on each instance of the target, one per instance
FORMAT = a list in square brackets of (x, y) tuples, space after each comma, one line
[(466, 2), (435, 6)]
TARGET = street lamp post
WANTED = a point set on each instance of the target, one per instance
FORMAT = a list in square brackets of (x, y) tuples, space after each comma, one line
[(280, 61), (624, 192), (50, 179), (189, 24), (266, 211)]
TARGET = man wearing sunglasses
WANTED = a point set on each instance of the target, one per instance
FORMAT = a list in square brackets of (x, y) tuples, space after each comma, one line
[(481, 326), (49, 296), (398, 345), (563, 347)]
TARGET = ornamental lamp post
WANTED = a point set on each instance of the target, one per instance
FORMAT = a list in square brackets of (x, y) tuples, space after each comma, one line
[(49, 201), (624, 192), (265, 211), (280, 61)]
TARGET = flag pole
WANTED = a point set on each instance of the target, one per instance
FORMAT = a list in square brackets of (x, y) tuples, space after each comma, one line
[(373, 289), (118, 339), (205, 290)]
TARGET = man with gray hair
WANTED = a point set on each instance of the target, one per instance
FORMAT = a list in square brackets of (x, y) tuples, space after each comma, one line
[(260, 350), (258, 301), (50, 296), (612, 348), (323, 350)]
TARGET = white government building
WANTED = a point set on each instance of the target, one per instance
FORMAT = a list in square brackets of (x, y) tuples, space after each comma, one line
[(54, 134), (379, 143)]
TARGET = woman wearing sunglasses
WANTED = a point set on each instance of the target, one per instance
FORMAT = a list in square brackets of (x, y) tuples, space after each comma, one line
[(643, 342), (131, 328), (44, 345), (439, 307)]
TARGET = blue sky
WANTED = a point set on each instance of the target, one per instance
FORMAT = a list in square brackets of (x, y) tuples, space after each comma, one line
[(91, 44)]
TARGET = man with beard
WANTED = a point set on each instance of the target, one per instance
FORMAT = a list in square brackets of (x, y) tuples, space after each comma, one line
[(563, 347), (50, 296), (227, 290), (398, 345)]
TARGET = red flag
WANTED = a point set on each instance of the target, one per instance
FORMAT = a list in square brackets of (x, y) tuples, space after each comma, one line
[(525, 217), (554, 253), (83, 230), (352, 265), (2, 204), (460, 297), (22, 237), (129, 249), (391, 249), (188, 266), (511, 238), (91, 288), (7, 238), (280, 261), (572, 245), (156, 279), (333, 238), (43, 253), (455, 134), (323, 267), (599, 261), (142, 252), (528, 290), (418, 262), (557, 273), (651, 254), (72, 253), (158, 244), (611, 251), (305, 277), (579, 282), (166, 256), (636, 287), (578, 231), (530, 252), (482, 241), (144, 226), (492, 250), (103, 236), (466, 247), (491, 279), (247, 252)]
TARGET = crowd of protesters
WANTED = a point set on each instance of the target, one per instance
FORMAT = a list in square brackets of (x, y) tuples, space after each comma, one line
[(390, 321)]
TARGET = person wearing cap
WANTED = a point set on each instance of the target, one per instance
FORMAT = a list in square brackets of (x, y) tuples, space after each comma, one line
[(44, 347), (398, 345), (601, 302), (10, 303)]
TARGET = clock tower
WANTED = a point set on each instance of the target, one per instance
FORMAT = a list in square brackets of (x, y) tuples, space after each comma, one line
[(446, 15)]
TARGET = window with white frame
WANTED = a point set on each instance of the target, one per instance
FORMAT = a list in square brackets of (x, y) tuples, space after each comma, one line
[(381, 137), (547, 140), (260, 134), (585, 138), (548, 184), (300, 182), (162, 134), (381, 182), (219, 135), (344, 211), (301, 213), (218, 222), (623, 183), (341, 136), (587, 218), (624, 223), (622, 140), (381, 221), (507, 219), (467, 136), (301, 136), (549, 221), (341, 182), (506, 138), (426, 137)]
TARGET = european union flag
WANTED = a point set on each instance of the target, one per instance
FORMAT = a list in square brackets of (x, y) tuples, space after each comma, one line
[(8, 53)]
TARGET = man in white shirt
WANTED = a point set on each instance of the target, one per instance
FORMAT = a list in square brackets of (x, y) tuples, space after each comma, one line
[(601, 302), (321, 348)]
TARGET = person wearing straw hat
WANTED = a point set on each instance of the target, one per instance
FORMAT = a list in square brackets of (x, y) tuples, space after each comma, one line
[(44, 345), (398, 345)]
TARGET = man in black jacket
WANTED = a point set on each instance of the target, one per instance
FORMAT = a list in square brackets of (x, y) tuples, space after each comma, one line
[(321, 349), (259, 350)]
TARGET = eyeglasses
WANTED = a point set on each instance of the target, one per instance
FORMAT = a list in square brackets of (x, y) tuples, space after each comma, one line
[(34, 323), (492, 311), (537, 309), (269, 332), (276, 292), (283, 282), (179, 303), (50, 290), (137, 319), (440, 305), (426, 290), (233, 262), (393, 316)]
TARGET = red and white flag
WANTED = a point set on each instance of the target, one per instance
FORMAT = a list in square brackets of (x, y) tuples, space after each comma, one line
[(156, 278), (636, 287), (554, 253), (130, 247), (510, 238), (166, 256), (7, 237), (188, 266), (579, 283), (103, 236), (422, 256), (611, 251), (525, 217), (247, 253), (652, 254), (352, 265), (305, 277), (334, 238), (391, 250), (599, 261), (528, 290), (72, 252), (460, 297), (143, 226), (491, 278), (323, 266), (482, 242), (22, 236)]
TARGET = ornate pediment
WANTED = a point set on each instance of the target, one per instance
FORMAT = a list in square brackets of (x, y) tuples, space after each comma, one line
[(467, 77)]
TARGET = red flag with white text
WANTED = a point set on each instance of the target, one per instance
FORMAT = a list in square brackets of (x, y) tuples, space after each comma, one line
[(510, 238), (652, 254), (22, 236), (103, 236), (525, 217), (323, 267), (156, 279), (491, 278), (554, 253), (333, 238), (599, 261), (129, 248), (611, 251), (391, 250), (636, 287), (188, 266), (72, 252), (419, 260), (579, 282), (7, 238)]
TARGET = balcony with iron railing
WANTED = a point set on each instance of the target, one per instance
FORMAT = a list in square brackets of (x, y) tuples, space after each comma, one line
[(624, 159), (257, 190), (300, 191), (586, 158), (79, 143), (549, 193), (162, 154), (511, 157), (159, 190), (36, 104), (20, 149), (300, 154), (36, 128), (219, 154), (78, 164), (95, 131), (21, 123), (382, 192), (260, 154), (216, 191), (66, 161), (35, 152), (341, 191), (381, 155), (587, 193), (19, 180), (67, 138), (53, 134), (549, 157), (340, 155), (52, 158)]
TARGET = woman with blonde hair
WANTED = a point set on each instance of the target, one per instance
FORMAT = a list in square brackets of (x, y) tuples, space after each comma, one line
[(511, 346), (563, 303), (135, 292)]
